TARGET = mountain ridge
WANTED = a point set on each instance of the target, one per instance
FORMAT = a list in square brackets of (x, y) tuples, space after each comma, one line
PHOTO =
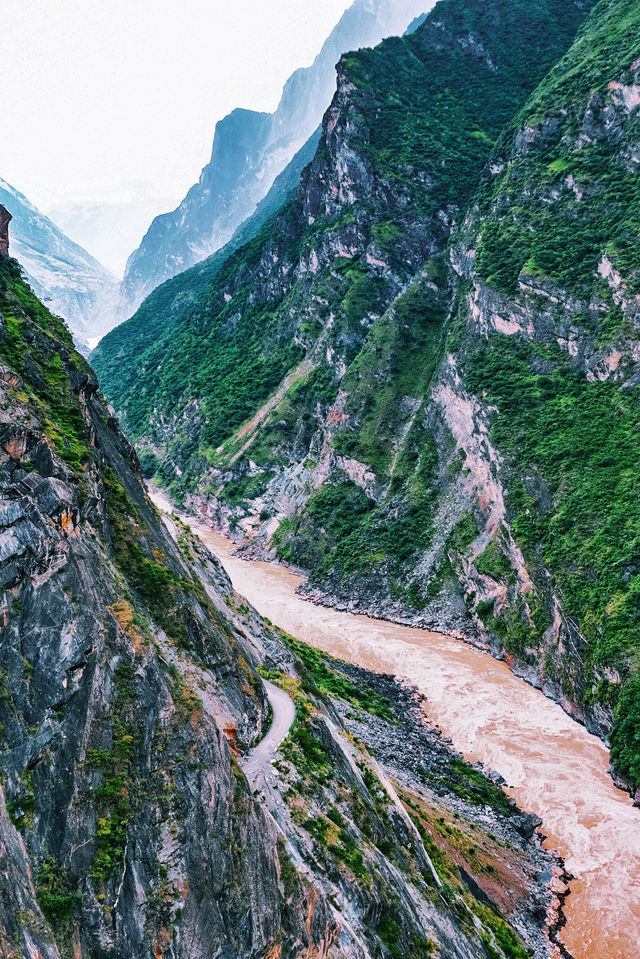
[(249, 150)]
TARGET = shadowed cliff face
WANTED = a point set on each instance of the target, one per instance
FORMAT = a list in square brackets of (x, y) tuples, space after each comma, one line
[(5, 219), (129, 698)]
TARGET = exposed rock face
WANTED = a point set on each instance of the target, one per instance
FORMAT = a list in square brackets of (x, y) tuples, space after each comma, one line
[(249, 151), (5, 219)]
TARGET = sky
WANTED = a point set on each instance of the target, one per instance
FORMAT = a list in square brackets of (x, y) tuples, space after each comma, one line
[(106, 100)]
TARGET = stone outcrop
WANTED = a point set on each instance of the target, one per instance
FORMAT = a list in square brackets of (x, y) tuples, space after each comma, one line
[(5, 219)]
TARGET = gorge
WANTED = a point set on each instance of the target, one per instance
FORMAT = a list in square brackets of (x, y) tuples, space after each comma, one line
[(136, 687), (417, 380), (319, 578)]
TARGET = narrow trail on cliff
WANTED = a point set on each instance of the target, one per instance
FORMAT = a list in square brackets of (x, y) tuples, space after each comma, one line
[(284, 713), (553, 766)]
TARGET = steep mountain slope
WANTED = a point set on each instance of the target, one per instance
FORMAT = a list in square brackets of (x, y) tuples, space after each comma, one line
[(183, 293), (129, 697), (462, 454), (364, 219), (249, 150), (552, 307), (533, 506), (69, 279)]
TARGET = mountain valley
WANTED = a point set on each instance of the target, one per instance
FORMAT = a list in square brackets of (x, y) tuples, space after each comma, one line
[(319, 623), (446, 332)]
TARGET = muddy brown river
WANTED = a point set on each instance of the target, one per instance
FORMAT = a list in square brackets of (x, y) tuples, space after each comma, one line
[(554, 767)]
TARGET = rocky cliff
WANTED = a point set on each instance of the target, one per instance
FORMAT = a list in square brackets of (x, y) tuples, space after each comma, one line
[(249, 150), (130, 697), (418, 383), (5, 220)]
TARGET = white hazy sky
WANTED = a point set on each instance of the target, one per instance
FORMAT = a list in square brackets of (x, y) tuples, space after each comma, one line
[(105, 99)]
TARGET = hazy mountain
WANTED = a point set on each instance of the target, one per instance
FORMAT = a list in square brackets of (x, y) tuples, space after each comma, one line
[(69, 280), (250, 149), (109, 230)]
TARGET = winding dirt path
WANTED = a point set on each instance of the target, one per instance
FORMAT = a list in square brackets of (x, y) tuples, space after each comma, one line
[(260, 757)]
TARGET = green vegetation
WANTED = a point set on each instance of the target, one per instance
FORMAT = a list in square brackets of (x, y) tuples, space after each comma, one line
[(471, 785), (247, 353), (591, 201), (342, 532), (625, 738), (389, 932), (247, 488), (440, 838), (21, 811), (551, 215), (328, 528), (38, 346), (579, 439), (495, 563), (441, 862), (426, 119), (55, 893), (502, 934), (331, 834), (391, 375), (581, 442), (113, 794), (161, 589), (216, 342), (304, 750), (321, 676)]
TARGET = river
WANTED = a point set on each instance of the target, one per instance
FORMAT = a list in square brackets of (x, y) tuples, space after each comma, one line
[(553, 766)]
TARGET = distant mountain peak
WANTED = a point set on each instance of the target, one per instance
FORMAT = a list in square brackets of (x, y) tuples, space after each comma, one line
[(62, 273), (250, 149)]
